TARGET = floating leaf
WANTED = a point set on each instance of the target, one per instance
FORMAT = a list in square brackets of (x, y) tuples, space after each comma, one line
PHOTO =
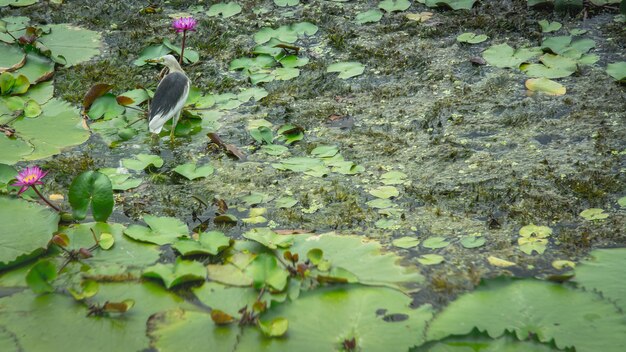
[(600, 272), (211, 242), (385, 192), (393, 177), (547, 26), (192, 172), (151, 52), (73, 44), (617, 70), (269, 238), (12, 57), (471, 38), (381, 203), (120, 182), (435, 242), (552, 66), (406, 242), (106, 240), (37, 68), (419, 17), (286, 202), (495, 261), (430, 259), (284, 3), (622, 202), (546, 86), (562, 264), (105, 107), (346, 69), (228, 9), (275, 328), (91, 188), (532, 244), (502, 55), (370, 16), (472, 241), (325, 151), (594, 214), (535, 231), (563, 316), (265, 271), (379, 319), (394, 5), (40, 275), (453, 4), (142, 161), (163, 230), (178, 273)]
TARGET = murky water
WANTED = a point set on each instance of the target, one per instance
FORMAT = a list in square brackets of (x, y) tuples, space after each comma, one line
[(482, 155)]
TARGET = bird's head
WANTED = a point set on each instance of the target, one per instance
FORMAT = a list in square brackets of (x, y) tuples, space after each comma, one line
[(166, 60)]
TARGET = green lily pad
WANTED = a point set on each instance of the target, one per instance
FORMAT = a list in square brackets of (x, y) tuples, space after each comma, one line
[(532, 244), (363, 313), (453, 4), (566, 46), (151, 52), (287, 33), (269, 238), (211, 242), (472, 241), (393, 178), (95, 189), (105, 107), (124, 255), (17, 3), (73, 44), (381, 203), (435, 242), (471, 38), (370, 16), (177, 273), (255, 198), (347, 69), (599, 273), (265, 272), (394, 5), (285, 73), (374, 267), (58, 312), (503, 55), (622, 202), (286, 202), (430, 259), (228, 299), (26, 230), (255, 93), (284, 3), (120, 182), (37, 68), (14, 24), (552, 66), (40, 275), (163, 230), (594, 214), (553, 313), (385, 192), (11, 57), (142, 161), (617, 70), (325, 151), (192, 172), (226, 9), (56, 128), (32, 109), (547, 26), (275, 328), (406, 242)]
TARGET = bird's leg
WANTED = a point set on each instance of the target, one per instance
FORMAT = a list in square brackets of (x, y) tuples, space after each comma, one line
[(173, 130)]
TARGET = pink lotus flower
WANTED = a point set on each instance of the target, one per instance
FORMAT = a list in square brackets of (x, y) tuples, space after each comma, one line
[(29, 177), (184, 24)]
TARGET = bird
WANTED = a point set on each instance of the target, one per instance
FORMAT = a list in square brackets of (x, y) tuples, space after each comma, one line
[(170, 96)]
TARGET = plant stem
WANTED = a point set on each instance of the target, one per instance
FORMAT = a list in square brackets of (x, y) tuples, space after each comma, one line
[(45, 199), (182, 50)]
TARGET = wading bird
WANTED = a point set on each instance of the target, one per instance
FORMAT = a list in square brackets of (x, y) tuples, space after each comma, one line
[(170, 96)]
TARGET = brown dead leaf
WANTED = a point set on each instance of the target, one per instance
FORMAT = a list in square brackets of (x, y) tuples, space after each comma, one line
[(419, 17), (95, 92), (124, 101)]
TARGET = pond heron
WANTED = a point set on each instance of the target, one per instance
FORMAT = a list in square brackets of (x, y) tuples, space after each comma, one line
[(170, 96)]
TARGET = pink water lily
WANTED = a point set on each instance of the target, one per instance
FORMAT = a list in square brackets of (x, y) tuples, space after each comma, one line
[(184, 24), (29, 177)]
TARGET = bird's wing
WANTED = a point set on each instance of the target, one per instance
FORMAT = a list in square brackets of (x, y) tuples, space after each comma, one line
[(168, 100)]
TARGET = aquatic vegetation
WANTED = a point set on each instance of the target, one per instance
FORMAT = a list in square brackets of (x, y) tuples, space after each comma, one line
[(545, 85), (91, 189), (617, 70), (346, 69), (225, 9), (471, 38)]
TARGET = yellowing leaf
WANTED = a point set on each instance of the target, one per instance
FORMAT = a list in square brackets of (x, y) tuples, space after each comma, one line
[(495, 261), (546, 86)]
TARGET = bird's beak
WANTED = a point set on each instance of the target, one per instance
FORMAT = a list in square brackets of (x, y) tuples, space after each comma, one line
[(155, 61)]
